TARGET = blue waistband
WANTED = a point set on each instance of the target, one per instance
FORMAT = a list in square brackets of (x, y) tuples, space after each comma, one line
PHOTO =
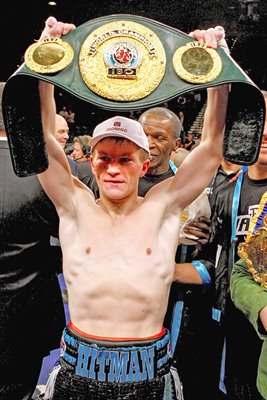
[(116, 362)]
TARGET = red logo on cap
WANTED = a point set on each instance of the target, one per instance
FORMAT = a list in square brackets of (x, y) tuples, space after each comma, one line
[(117, 123)]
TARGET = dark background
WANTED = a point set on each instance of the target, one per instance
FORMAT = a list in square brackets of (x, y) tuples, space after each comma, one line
[(21, 24)]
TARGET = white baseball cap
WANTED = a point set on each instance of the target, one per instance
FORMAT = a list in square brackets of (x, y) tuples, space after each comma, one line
[(119, 126)]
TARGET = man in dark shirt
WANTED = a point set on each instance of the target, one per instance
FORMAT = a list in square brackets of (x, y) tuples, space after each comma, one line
[(233, 367)]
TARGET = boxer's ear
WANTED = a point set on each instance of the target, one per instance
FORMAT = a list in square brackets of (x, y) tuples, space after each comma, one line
[(145, 168)]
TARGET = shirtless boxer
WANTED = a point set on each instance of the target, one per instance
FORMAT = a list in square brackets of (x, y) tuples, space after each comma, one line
[(118, 251)]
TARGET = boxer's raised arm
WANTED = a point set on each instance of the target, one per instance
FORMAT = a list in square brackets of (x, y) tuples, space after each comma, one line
[(197, 169), (57, 180)]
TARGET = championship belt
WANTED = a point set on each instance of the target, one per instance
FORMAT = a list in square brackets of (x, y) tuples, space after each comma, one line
[(254, 249), (124, 63)]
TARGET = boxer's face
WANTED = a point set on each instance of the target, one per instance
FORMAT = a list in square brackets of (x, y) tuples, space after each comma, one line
[(118, 167)]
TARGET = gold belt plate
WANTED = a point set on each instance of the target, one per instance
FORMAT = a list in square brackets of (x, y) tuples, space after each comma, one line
[(254, 252), (122, 61), (49, 55), (197, 63)]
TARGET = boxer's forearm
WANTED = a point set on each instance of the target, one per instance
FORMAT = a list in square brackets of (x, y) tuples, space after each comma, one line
[(48, 105), (217, 99), (215, 117), (48, 114)]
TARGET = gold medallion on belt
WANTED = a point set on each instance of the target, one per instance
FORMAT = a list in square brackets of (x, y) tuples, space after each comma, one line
[(49, 55), (197, 63), (122, 61)]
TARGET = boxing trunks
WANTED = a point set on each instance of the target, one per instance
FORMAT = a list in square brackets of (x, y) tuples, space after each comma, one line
[(95, 369)]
